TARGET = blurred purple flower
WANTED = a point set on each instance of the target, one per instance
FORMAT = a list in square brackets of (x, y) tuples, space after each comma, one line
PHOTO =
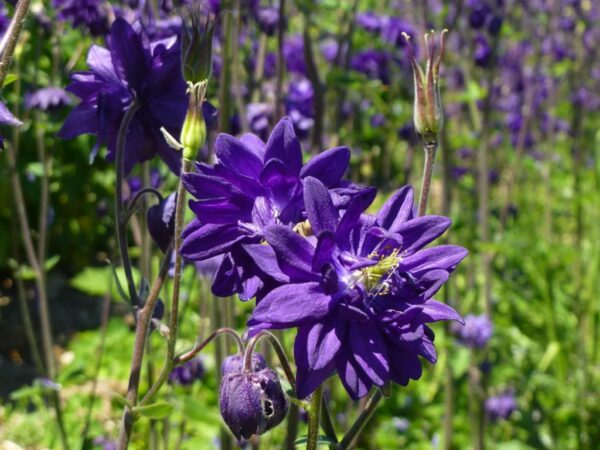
[(501, 407), (476, 332), (259, 117), (7, 118), (482, 51), (47, 98), (293, 54), (105, 443), (267, 19), (373, 63), (369, 21), (392, 29), (87, 14), (187, 373)]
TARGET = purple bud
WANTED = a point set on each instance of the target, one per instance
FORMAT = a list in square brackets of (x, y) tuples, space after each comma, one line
[(187, 373), (161, 221), (252, 402), (235, 363)]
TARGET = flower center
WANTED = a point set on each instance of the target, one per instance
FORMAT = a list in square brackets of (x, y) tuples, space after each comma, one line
[(375, 278)]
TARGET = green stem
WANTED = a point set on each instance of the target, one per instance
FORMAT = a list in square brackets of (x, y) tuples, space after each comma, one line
[(11, 37), (361, 420), (430, 147), (120, 216), (314, 415), (169, 362), (279, 350)]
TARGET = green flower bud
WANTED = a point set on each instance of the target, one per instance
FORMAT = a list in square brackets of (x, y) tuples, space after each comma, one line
[(428, 112), (193, 132), (197, 43)]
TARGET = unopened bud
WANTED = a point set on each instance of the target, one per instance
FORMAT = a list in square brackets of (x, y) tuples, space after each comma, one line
[(428, 112), (193, 132), (197, 43)]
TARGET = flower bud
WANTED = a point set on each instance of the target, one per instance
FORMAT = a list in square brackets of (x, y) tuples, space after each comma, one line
[(196, 47), (187, 373), (235, 363), (428, 112), (193, 133), (252, 402)]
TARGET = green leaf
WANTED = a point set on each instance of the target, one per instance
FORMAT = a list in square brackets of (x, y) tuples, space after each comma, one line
[(120, 401), (10, 78), (197, 411), (92, 281), (155, 411)]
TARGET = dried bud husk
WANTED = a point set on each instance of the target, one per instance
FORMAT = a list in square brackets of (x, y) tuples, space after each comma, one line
[(428, 112), (252, 402)]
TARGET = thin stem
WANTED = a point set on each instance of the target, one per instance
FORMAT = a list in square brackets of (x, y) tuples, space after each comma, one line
[(279, 109), (120, 216), (327, 423), (279, 350), (430, 147), (174, 316), (361, 420), (11, 37), (141, 335), (138, 196), (314, 414), (185, 357), (292, 427)]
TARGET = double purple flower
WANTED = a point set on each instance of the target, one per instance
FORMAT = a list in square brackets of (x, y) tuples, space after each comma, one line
[(252, 186), (359, 288)]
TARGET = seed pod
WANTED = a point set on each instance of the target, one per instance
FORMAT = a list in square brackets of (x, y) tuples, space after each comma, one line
[(235, 363)]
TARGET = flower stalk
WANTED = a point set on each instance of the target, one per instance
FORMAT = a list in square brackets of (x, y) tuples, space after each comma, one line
[(314, 415)]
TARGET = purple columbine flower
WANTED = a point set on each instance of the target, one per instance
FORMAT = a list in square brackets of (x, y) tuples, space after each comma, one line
[(7, 118), (133, 69), (501, 407), (373, 63), (187, 373), (476, 332), (267, 19), (47, 98), (359, 289), (299, 105), (161, 221), (87, 14), (293, 53), (235, 363), (253, 185), (369, 21)]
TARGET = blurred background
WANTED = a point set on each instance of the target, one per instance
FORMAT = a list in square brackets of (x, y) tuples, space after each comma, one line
[(518, 171)]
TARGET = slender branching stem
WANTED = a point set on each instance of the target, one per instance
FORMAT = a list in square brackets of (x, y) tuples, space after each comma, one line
[(185, 357), (361, 420), (314, 415), (120, 215), (141, 335), (174, 315), (430, 147), (141, 193)]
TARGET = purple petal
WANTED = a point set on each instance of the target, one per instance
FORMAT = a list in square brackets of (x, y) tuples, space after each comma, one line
[(284, 145), (161, 221), (359, 203), (128, 53), (328, 167), (254, 144), (210, 240), (324, 251), (223, 210), (292, 305), (7, 118), (434, 311), (419, 232), (294, 253), (206, 186), (369, 350), (99, 60), (81, 120), (397, 210), (264, 257), (354, 380), (238, 158), (440, 257), (321, 213)]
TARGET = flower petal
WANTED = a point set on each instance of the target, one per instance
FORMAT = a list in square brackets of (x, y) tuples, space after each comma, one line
[(284, 145), (369, 349), (434, 311), (233, 154), (440, 257), (321, 213), (210, 240), (397, 209), (419, 232), (294, 253), (328, 167)]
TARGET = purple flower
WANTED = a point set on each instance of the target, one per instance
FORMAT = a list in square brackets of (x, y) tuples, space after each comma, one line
[(47, 98), (88, 14), (299, 105), (477, 331), (252, 402), (133, 69), (252, 186), (187, 373), (105, 443), (369, 21), (161, 221), (501, 406), (392, 29), (359, 289), (293, 54), (7, 118), (482, 51), (259, 117), (235, 363), (373, 63), (267, 19)]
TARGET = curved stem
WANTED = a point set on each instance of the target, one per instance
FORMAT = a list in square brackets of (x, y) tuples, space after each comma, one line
[(138, 196), (185, 357), (430, 147), (120, 216), (285, 363), (314, 414), (361, 420)]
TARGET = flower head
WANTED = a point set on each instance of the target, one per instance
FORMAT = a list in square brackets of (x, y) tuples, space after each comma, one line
[(133, 69), (359, 289), (187, 373), (7, 118), (477, 331), (88, 14), (501, 407), (47, 98), (253, 185)]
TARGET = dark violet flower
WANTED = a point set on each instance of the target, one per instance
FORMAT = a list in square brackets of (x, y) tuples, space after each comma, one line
[(7, 118), (476, 332), (47, 98), (299, 105), (252, 186), (259, 117), (87, 14), (293, 53), (373, 63), (329, 50), (392, 29), (377, 120), (501, 407), (4, 19), (235, 363), (105, 443), (482, 51), (207, 268), (359, 289), (133, 68), (187, 373), (161, 221), (267, 19), (252, 402)]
